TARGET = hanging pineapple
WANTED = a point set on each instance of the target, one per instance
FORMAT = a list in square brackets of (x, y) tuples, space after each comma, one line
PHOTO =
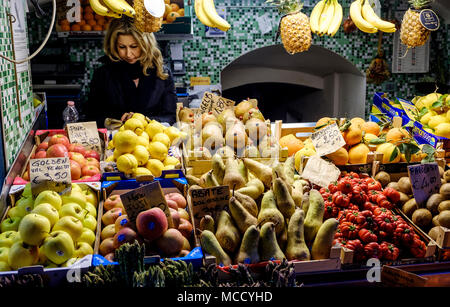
[(294, 27), (143, 20), (412, 32)]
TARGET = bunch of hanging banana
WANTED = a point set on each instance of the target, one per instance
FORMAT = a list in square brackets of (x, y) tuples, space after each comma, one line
[(326, 17), (112, 8), (207, 14), (365, 18)]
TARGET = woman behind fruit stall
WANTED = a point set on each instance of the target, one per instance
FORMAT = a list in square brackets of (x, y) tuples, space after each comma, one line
[(132, 78)]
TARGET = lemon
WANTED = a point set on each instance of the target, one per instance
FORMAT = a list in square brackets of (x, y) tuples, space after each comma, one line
[(387, 149), (145, 135), (141, 154), (117, 154), (110, 159), (173, 133), (163, 138), (127, 163), (305, 151), (436, 120), (141, 118), (110, 145), (153, 128), (142, 140), (157, 150), (448, 114), (369, 136), (171, 161), (134, 125), (142, 171), (429, 99), (426, 118), (428, 130), (169, 167), (443, 130), (125, 141), (155, 166)]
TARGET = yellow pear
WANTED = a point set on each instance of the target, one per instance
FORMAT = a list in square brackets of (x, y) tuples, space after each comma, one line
[(163, 138), (155, 166), (158, 151), (141, 154), (125, 141), (153, 128)]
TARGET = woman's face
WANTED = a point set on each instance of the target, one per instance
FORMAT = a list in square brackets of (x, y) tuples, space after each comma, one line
[(128, 48)]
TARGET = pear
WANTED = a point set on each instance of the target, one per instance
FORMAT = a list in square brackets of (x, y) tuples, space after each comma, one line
[(207, 223), (186, 115), (207, 118), (289, 170), (297, 193), (207, 180), (241, 216), (253, 113), (256, 129), (241, 108), (225, 152), (314, 216), (296, 246), (226, 114), (278, 172), (210, 245), (212, 136), (192, 180), (270, 213), (305, 202), (284, 200), (324, 239), (243, 170), (260, 170), (268, 245), (248, 251), (235, 135), (282, 238), (247, 202), (251, 151), (218, 167), (227, 234), (233, 177), (254, 188)]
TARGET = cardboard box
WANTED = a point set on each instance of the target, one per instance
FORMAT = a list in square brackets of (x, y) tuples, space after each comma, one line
[(385, 106)]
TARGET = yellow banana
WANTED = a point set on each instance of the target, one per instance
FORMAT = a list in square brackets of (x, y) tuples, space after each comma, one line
[(370, 16), (201, 15), (120, 7), (358, 20), (315, 16), (102, 10), (211, 12), (326, 17), (337, 19)]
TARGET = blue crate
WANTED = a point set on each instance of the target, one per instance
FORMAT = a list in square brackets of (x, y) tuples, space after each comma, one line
[(423, 137), (386, 107)]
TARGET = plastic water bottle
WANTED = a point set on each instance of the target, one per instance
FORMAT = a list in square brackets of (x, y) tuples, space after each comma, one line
[(70, 113)]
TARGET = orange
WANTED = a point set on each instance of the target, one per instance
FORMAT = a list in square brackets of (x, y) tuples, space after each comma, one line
[(292, 143), (172, 16), (88, 16), (88, 9), (175, 7), (371, 127), (167, 1), (97, 28), (167, 11), (358, 154), (357, 121), (324, 121), (181, 12), (75, 27), (86, 28), (353, 135), (81, 23), (64, 22), (92, 22), (65, 28), (387, 149), (397, 136), (100, 19), (339, 157)]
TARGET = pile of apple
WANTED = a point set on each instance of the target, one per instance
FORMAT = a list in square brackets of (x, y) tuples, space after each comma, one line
[(151, 228), (83, 163), (51, 230)]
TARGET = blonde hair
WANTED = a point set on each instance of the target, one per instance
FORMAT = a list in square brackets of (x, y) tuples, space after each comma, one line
[(151, 56)]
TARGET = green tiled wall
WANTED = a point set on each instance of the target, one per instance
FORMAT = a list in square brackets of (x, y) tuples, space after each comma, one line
[(13, 132)]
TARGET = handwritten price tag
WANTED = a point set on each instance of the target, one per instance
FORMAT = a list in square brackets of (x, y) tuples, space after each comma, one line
[(144, 198), (50, 174), (209, 201), (327, 140), (86, 134), (425, 181), (214, 103), (320, 172)]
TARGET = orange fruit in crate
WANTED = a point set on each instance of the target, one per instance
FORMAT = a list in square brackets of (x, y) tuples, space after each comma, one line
[(397, 136), (172, 16), (353, 135), (86, 27), (292, 143), (372, 128), (75, 27), (100, 21), (167, 1), (64, 22), (357, 121), (88, 9), (88, 16), (92, 22), (167, 11), (65, 28), (339, 157), (98, 28), (358, 154), (181, 12), (81, 23), (175, 7)]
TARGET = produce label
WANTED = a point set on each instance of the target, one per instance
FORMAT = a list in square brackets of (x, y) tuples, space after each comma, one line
[(320, 172), (86, 134), (209, 201), (425, 180), (429, 20), (395, 277), (214, 103), (144, 198), (327, 140), (50, 174), (409, 109)]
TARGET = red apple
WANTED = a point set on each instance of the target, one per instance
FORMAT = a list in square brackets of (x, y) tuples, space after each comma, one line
[(178, 198), (93, 162), (112, 201), (59, 139), (110, 257), (56, 151), (77, 148), (172, 204), (151, 223), (75, 170), (92, 154), (124, 235), (185, 228), (90, 170), (76, 156), (40, 154), (42, 146), (175, 217)]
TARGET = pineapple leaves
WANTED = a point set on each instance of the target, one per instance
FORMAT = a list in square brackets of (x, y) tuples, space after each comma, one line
[(286, 6)]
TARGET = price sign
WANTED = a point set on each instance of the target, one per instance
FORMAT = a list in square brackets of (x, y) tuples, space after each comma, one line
[(425, 181), (215, 104), (86, 134), (320, 172), (327, 140), (209, 201), (50, 174), (144, 198)]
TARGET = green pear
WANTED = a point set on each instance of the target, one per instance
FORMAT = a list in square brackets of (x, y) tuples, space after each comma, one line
[(207, 223), (210, 245), (268, 245), (218, 167), (248, 251), (284, 200), (241, 216), (269, 212), (324, 239), (314, 216), (297, 193), (227, 234), (233, 177), (243, 170), (296, 247), (247, 202), (260, 170), (289, 170), (254, 188)]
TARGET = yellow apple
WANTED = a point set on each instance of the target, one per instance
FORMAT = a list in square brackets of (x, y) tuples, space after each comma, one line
[(76, 187), (50, 197), (70, 262), (21, 255), (34, 228), (72, 209), (4, 266), (4, 251), (42, 257), (48, 211), (90, 222), (25, 204), (108, 231), (8, 238), (91, 197), (74, 197), (87, 236), (71, 225), (82, 249), (91, 209), (16, 212), (58, 247)]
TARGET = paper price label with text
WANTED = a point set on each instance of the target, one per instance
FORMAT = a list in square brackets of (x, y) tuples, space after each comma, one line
[(209, 201), (327, 140), (214, 103), (50, 174), (144, 198), (425, 181), (320, 172), (86, 134)]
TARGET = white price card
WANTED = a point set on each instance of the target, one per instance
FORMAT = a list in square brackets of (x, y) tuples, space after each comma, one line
[(86, 134), (50, 174), (327, 140), (425, 181), (320, 172)]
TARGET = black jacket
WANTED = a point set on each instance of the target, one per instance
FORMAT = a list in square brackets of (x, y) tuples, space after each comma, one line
[(113, 93)]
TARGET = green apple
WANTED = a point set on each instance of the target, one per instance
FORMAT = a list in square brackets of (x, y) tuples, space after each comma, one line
[(90, 222), (50, 265), (26, 204), (4, 266), (74, 197), (82, 249), (91, 209), (34, 228), (27, 191), (42, 257), (91, 197), (22, 254), (16, 212), (50, 197), (76, 187), (70, 262), (58, 247), (72, 209), (71, 225), (8, 238), (48, 211), (10, 223), (4, 251), (87, 236)]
